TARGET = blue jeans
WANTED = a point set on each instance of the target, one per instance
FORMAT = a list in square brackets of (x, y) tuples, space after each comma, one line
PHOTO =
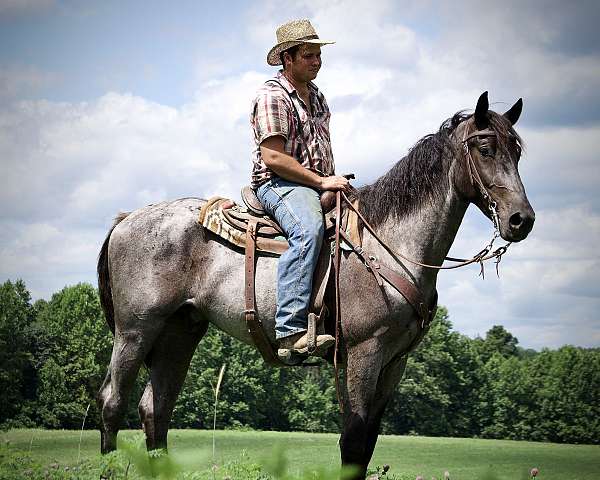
[(297, 209)]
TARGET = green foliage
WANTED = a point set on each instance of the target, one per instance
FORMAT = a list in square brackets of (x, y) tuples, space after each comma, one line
[(17, 382), (439, 385), (54, 355), (314, 406), (76, 352), (498, 340), (19, 465), (252, 394), (565, 394)]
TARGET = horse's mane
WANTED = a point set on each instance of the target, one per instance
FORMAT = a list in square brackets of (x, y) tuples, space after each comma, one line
[(422, 175)]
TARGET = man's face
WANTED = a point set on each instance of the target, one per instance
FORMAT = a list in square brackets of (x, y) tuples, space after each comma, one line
[(307, 62)]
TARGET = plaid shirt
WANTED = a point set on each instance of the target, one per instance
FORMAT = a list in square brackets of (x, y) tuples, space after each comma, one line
[(273, 115)]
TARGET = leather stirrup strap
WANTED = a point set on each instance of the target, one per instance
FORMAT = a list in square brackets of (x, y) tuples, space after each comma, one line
[(338, 313), (311, 333), (252, 323), (321, 276)]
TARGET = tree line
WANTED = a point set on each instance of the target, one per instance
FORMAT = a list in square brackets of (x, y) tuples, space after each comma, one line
[(54, 355)]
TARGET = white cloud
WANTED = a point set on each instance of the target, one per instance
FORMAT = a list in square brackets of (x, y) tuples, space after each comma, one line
[(88, 157), (548, 285), (67, 168)]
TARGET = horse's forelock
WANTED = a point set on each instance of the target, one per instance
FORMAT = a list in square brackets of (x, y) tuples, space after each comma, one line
[(505, 133)]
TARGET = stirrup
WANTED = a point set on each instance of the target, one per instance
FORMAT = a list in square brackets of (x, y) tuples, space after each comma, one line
[(291, 357)]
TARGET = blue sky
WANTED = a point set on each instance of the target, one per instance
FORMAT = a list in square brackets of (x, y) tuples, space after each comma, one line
[(109, 106)]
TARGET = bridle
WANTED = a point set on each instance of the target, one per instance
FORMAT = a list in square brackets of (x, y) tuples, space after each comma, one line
[(487, 253), (477, 182), (425, 310)]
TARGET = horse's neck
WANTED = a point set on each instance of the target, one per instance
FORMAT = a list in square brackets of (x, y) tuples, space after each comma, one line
[(426, 234)]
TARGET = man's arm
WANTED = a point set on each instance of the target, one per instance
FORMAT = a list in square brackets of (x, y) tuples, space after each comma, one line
[(288, 168)]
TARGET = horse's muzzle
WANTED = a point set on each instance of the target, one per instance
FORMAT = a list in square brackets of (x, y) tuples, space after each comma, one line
[(520, 224)]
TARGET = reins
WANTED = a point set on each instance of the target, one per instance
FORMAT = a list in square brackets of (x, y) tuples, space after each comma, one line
[(382, 272), (487, 253)]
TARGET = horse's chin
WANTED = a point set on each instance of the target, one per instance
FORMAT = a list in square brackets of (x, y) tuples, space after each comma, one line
[(513, 235)]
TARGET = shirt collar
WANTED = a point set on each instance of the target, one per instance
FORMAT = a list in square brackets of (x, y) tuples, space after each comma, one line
[(290, 88)]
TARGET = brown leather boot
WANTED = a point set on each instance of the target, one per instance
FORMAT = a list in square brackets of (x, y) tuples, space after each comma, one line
[(297, 344)]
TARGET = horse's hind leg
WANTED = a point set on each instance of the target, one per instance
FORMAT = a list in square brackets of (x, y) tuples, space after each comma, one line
[(103, 394), (130, 347), (169, 362)]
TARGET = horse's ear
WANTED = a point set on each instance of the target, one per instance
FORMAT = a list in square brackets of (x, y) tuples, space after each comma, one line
[(515, 112), (481, 120)]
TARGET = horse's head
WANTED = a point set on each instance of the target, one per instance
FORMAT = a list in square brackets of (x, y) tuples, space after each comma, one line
[(490, 150)]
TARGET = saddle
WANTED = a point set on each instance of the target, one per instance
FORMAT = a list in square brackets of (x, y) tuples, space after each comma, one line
[(249, 228)]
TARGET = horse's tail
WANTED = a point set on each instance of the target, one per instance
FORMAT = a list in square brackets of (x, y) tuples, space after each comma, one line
[(104, 277)]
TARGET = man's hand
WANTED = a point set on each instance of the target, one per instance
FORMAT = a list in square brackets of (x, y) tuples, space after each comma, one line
[(288, 168), (335, 182)]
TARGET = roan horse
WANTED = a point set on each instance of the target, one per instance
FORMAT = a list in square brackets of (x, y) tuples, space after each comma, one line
[(163, 278)]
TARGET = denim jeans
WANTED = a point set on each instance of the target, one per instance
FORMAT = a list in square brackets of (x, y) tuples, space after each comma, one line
[(297, 209)]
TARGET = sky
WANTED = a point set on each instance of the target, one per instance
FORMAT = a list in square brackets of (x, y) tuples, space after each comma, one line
[(110, 106)]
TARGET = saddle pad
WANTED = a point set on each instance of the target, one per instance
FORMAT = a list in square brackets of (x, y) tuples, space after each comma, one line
[(213, 218)]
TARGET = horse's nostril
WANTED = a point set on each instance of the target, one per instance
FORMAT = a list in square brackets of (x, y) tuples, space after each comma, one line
[(515, 220)]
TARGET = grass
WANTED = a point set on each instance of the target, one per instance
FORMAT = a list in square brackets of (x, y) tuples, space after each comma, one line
[(465, 459)]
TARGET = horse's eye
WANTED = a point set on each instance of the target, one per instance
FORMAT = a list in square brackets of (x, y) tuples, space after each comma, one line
[(485, 151)]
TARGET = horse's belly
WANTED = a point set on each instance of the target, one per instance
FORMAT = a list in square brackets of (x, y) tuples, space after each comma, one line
[(222, 294)]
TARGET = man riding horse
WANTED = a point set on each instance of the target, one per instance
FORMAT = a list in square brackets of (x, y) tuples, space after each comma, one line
[(293, 163), (164, 276)]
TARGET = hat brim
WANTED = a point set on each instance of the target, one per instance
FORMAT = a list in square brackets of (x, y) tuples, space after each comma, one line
[(273, 57)]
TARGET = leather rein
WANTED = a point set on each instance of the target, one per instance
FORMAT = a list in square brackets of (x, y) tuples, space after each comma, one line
[(487, 253), (425, 310)]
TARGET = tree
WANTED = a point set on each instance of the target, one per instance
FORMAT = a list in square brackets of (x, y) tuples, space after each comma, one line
[(16, 360), (313, 405), (73, 359), (253, 395), (567, 399), (439, 385), (498, 340)]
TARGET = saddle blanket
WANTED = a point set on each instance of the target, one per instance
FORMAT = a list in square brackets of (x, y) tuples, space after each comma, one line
[(215, 216), (228, 220)]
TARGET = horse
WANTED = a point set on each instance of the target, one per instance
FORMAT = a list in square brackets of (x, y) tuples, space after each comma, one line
[(163, 278)]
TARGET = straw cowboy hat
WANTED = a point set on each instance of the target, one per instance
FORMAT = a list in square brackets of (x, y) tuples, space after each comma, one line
[(291, 34)]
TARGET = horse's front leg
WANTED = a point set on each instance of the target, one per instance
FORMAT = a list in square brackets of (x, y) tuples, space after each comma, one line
[(388, 379), (362, 371)]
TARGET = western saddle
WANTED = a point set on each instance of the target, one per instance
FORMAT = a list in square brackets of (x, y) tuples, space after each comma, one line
[(249, 228)]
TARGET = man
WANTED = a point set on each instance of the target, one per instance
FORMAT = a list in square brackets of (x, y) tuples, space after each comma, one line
[(293, 163)]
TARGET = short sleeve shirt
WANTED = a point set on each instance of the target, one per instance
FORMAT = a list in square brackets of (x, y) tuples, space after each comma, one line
[(273, 115)]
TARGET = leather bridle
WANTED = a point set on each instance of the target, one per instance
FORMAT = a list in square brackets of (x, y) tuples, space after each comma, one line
[(425, 310), (474, 175), (487, 253)]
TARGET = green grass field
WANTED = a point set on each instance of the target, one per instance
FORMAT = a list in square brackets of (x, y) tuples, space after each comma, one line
[(465, 459)]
